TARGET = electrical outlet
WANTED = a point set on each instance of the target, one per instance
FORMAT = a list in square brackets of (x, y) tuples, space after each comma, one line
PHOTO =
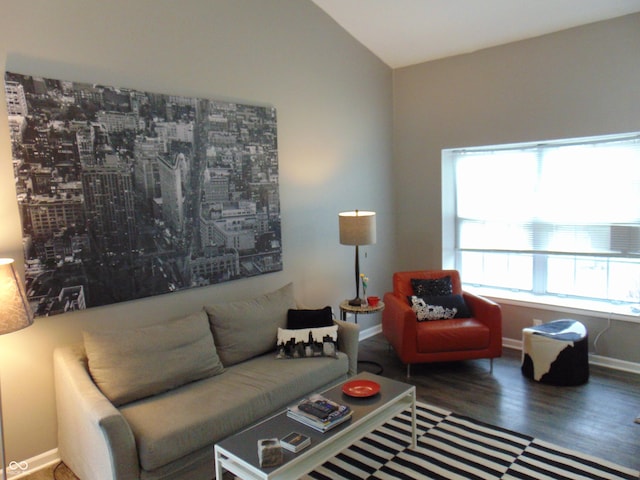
[(536, 322)]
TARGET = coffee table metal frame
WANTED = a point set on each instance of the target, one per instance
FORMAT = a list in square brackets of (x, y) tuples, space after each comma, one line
[(238, 453)]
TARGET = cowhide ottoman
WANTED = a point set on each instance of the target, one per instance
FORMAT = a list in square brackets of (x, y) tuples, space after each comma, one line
[(556, 353)]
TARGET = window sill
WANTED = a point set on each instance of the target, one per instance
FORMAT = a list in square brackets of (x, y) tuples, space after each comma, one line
[(623, 312)]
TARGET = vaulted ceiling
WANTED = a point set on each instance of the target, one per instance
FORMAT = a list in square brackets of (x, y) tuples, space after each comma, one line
[(406, 32)]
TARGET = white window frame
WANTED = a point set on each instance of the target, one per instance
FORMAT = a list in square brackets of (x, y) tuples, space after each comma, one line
[(626, 311)]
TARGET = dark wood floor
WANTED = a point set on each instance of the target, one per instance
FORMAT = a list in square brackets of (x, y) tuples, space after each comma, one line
[(596, 418)]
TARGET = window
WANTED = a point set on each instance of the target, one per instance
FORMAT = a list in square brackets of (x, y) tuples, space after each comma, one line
[(559, 219)]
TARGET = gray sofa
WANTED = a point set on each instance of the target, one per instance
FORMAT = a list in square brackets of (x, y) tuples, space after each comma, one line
[(150, 402)]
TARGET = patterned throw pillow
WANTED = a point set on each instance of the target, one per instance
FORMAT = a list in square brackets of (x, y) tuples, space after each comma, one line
[(450, 301), (426, 312), (430, 287), (307, 342)]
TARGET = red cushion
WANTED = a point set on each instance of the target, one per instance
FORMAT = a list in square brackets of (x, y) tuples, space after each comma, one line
[(451, 335)]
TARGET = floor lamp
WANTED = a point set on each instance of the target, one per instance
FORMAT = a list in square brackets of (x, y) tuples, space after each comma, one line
[(357, 228), (15, 314)]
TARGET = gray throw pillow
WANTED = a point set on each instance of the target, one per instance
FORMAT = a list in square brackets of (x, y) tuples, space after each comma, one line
[(130, 364), (247, 328)]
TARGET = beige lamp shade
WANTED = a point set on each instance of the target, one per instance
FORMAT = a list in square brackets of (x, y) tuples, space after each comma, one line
[(15, 312), (357, 227)]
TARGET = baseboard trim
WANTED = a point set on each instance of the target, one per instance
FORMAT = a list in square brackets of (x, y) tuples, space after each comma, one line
[(512, 344), (33, 464), (369, 332), (614, 363)]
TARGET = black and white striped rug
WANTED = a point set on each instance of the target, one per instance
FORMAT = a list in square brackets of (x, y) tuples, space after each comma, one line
[(452, 446)]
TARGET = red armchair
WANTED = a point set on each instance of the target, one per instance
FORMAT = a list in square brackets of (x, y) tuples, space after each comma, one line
[(479, 336)]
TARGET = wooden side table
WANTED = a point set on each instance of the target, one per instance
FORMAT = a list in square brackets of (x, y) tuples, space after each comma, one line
[(362, 309), (365, 310)]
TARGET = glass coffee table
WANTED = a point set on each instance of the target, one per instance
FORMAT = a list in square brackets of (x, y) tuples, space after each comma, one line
[(238, 453)]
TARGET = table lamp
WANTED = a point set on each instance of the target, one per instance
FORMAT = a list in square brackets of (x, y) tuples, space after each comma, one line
[(357, 228), (15, 314)]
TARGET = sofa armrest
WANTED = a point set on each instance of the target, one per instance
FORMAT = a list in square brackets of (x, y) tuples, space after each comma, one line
[(94, 439), (348, 339)]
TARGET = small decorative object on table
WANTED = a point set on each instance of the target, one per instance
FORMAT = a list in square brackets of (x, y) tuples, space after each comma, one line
[(365, 283), (295, 442), (361, 388), (269, 452)]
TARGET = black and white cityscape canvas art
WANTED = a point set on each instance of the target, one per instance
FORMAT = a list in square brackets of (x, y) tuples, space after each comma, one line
[(125, 194)]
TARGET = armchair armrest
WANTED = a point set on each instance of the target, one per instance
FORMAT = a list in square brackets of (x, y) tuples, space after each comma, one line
[(348, 339), (484, 310), (94, 439), (399, 323), (489, 313)]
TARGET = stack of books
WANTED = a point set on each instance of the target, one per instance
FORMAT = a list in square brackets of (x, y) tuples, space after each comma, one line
[(319, 413)]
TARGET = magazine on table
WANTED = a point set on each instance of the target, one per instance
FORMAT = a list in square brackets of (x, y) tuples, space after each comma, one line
[(319, 412)]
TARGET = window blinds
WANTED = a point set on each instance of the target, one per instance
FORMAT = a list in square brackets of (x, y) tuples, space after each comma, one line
[(579, 197)]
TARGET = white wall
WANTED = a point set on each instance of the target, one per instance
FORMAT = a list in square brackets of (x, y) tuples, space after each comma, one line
[(580, 82), (333, 100)]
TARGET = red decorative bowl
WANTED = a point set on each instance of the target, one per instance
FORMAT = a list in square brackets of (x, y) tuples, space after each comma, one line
[(361, 388)]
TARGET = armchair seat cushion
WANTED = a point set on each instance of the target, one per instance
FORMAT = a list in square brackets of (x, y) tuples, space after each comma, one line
[(457, 334)]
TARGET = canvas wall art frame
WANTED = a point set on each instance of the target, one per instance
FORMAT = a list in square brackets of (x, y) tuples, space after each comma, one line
[(125, 194)]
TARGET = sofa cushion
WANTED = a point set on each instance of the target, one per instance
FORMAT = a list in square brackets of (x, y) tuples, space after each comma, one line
[(300, 318), (307, 342), (171, 425), (130, 364), (247, 328)]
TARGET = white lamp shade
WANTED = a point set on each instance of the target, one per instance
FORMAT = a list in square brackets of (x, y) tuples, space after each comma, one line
[(15, 312), (357, 228)]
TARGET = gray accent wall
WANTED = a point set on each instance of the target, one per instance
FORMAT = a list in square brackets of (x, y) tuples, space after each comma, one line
[(334, 107), (580, 82), (352, 134)]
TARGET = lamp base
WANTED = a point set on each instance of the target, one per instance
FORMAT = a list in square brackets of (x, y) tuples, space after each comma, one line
[(357, 302)]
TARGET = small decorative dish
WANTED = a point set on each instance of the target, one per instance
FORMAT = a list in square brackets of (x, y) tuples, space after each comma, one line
[(361, 388)]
